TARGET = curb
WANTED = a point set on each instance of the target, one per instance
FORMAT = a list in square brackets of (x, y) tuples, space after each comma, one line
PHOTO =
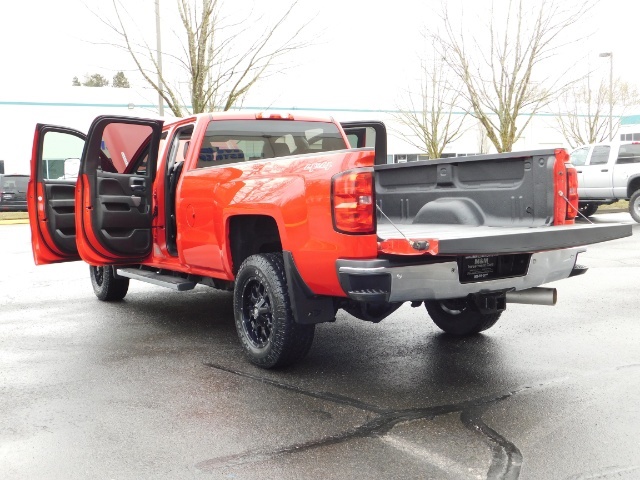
[(17, 221), (612, 210)]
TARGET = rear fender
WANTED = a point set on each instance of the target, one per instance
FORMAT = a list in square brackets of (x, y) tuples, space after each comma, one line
[(296, 193)]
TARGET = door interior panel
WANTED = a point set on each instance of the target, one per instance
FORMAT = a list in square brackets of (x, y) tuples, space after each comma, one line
[(108, 185), (61, 213), (118, 168), (122, 212)]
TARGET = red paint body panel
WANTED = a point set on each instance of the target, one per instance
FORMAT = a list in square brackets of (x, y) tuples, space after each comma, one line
[(289, 191)]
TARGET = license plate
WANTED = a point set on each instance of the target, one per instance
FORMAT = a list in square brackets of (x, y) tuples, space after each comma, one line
[(477, 268)]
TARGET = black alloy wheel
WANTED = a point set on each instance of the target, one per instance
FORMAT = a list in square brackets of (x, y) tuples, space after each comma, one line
[(267, 329), (257, 315)]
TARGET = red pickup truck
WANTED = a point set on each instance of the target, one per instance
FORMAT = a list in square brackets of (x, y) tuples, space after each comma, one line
[(303, 216)]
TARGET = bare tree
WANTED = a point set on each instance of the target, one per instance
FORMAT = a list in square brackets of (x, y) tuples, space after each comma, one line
[(584, 111), (217, 69), (501, 67), (482, 139), (433, 123)]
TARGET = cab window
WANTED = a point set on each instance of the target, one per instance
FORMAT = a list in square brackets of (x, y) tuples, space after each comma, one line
[(600, 155), (579, 157), (629, 154), (233, 141)]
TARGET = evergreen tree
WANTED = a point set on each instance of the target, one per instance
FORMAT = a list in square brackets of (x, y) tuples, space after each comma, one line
[(95, 80), (120, 81)]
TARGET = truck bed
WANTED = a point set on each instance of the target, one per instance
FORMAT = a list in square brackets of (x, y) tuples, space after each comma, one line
[(483, 204), (508, 189)]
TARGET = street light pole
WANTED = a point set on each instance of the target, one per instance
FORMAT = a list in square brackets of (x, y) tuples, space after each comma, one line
[(610, 55)]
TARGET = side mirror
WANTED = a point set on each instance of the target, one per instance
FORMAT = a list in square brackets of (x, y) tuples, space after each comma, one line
[(71, 168)]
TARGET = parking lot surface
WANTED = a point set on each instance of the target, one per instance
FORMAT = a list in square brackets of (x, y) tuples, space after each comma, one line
[(156, 386)]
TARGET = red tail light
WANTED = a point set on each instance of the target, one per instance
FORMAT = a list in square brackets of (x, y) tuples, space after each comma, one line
[(566, 189), (572, 191), (353, 202)]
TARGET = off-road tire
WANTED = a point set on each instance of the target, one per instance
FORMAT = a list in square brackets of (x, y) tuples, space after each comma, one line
[(457, 317), (588, 209), (106, 286), (634, 206), (265, 323)]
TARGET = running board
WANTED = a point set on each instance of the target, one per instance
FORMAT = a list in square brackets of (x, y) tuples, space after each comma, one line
[(168, 281)]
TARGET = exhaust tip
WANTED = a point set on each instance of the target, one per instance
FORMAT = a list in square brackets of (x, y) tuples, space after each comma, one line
[(534, 296)]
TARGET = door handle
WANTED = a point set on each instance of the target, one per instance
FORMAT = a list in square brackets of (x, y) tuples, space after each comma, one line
[(579, 171), (604, 170), (137, 184)]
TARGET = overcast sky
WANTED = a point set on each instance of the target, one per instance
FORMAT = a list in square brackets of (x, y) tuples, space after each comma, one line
[(364, 52)]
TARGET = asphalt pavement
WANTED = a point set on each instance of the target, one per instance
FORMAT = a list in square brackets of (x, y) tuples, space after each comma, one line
[(156, 386)]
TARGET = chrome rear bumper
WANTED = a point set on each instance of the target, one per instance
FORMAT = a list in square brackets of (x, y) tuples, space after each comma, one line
[(381, 280)]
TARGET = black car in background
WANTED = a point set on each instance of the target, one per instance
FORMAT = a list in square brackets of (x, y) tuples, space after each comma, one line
[(13, 193)]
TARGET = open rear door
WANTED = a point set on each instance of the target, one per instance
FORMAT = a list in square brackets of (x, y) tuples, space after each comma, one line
[(114, 194), (50, 197)]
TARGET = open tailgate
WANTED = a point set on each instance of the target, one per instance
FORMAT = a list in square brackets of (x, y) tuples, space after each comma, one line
[(484, 240)]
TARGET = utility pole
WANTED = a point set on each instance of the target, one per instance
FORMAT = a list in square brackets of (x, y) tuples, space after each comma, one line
[(159, 59), (610, 55)]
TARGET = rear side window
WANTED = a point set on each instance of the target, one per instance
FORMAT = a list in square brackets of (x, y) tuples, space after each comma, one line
[(600, 155), (232, 141), (629, 154)]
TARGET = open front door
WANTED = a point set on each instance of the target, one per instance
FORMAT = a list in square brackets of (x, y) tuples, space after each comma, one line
[(372, 134), (114, 194), (50, 196)]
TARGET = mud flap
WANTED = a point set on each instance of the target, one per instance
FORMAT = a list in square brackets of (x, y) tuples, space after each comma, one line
[(307, 307)]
